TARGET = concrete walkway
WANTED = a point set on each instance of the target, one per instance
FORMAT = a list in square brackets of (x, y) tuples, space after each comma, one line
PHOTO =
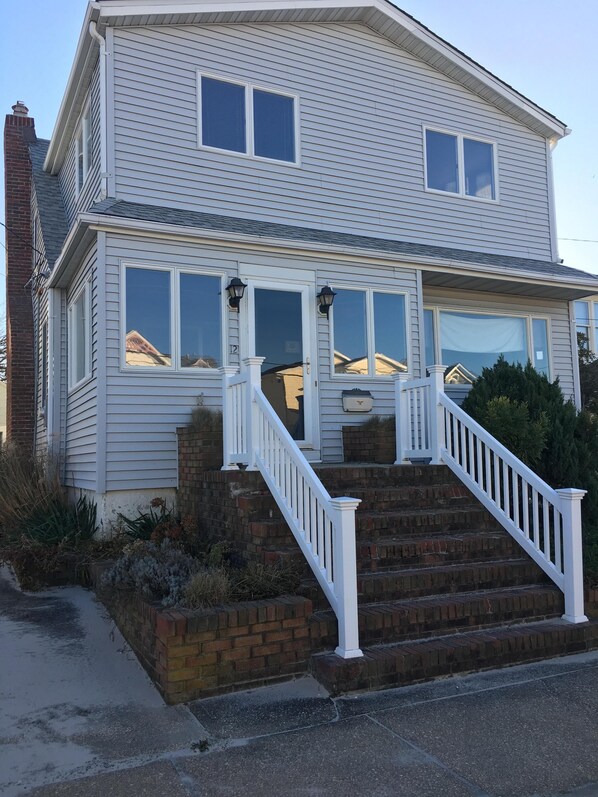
[(79, 717)]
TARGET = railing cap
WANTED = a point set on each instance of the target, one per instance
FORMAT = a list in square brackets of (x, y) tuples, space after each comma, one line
[(253, 360), (345, 503), (402, 377), (437, 369), (571, 493), (229, 370)]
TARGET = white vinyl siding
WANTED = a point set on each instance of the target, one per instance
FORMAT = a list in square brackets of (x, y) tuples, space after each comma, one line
[(364, 103), (78, 197), (81, 402), (144, 409)]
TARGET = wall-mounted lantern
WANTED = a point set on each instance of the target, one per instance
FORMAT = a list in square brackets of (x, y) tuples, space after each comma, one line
[(325, 299), (235, 290)]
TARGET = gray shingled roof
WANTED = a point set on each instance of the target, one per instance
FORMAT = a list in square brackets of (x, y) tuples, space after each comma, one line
[(265, 229), (52, 217)]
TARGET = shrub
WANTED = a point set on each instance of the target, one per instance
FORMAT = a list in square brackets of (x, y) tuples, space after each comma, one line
[(385, 423), (258, 581), (205, 419), (509, 421), (569, 456), (158, 524), (159, 572), (207, 588)]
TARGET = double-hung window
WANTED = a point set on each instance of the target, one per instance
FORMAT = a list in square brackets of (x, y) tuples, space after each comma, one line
[(462, 165), (369, 330), (468, 342), (586, 323), (79, 337), (242, 118), (172, 319), (83, 148)]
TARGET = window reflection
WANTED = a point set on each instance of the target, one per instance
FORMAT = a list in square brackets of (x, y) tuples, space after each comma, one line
[(350, 344), (200, 319), (148, 328), (274, 125), (390, 334), (441, 161)]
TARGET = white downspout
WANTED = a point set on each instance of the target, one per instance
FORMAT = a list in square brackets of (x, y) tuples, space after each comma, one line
[(103, 111)]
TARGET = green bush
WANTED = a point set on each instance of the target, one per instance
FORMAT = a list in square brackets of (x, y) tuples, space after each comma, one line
[(569, 455), (208, 588), (509, 421)]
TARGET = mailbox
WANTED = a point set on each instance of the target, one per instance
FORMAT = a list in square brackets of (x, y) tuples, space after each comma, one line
[(357, 400)]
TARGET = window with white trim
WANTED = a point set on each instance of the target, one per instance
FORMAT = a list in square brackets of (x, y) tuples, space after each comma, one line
[(586, 322), (468, 342), (242, 118), (172, 319), (79, 337), (83, 148), (369, 332), (459, 164)]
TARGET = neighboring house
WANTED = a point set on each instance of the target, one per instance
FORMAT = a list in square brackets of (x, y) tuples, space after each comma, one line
[(293, 147)]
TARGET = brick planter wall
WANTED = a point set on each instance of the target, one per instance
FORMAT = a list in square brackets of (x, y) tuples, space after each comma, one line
[(369, 444), (192, 654)]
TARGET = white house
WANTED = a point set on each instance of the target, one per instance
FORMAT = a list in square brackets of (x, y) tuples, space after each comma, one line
[(292, 146)]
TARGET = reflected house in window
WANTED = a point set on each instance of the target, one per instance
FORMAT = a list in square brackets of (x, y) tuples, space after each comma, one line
[(140, 352), (385, 366), (284, 387), (458, 374)]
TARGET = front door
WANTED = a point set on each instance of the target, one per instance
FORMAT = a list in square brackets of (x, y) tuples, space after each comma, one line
[(280, 331)]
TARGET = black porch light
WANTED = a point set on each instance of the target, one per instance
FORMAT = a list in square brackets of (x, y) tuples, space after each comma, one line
[(235, 290), (325, 299)]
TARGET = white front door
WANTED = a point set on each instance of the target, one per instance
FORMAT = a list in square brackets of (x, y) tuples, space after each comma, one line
[(281, 328)]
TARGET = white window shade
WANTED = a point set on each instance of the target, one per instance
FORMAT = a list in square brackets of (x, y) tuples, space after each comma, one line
[(460, 332)]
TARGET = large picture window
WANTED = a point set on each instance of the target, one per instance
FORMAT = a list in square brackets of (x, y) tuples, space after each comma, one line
[(369, 332), (458, 164), (172, 319), (79, 337), (466, 343), (238, 117)]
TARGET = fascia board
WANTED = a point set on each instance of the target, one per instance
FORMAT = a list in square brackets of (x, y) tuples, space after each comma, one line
[(152, 229), (85, 47)]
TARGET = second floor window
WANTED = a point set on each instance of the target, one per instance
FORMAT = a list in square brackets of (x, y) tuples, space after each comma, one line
[(238, 117), (457, 164), (83, 149)]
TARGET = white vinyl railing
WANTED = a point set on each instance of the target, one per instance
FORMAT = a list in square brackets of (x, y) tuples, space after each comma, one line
[(324, 527), (545, 522)]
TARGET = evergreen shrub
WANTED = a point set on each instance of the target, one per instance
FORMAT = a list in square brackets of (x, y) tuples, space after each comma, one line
[(529, 414)]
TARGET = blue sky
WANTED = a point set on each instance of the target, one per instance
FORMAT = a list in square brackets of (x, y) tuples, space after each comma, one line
[(546, 49)]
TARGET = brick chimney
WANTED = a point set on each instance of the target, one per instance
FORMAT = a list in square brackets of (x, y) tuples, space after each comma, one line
[(19, 129)]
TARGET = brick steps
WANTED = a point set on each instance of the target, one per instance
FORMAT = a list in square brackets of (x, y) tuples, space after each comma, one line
[(390, 621), (409, 496), (416, 582), (422, 521), (386, 553), (402, 663), (344, 477)]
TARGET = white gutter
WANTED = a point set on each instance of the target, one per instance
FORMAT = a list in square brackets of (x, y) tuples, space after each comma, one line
[(243, 240), (103, 111)]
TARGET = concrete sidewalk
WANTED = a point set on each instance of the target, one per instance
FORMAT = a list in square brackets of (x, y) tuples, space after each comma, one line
[(79, 717)]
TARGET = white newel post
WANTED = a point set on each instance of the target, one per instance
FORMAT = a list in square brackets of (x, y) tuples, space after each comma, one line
[(572, 554), (436, 412), (254, 380), (401, 413), (227, 372), (345, 577)]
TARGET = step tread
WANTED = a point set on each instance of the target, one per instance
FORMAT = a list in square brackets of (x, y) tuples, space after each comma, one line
[(541, 627), (447, 568), (429, 601)]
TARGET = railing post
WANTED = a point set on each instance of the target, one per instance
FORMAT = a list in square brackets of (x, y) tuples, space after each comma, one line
[(436, 412), (254, 380), (401, 412), (572, 554), (345, 577), (227, 372)]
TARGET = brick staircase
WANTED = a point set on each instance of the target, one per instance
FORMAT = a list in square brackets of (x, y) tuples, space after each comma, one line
[(442, 587)]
